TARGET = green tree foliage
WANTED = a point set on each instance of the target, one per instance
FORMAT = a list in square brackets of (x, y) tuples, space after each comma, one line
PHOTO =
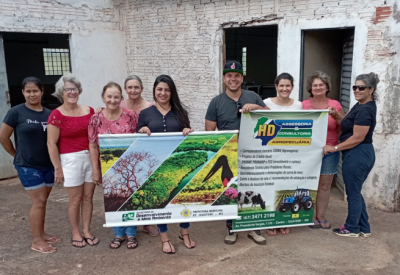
[(207, 143), (155, 192), (107, 158), (117, 153)]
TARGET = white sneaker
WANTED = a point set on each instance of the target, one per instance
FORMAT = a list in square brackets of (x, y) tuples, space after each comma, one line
[(365, 235), (256, 236)]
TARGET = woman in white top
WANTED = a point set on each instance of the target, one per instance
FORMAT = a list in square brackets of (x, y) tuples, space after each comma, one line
[(284, 87)]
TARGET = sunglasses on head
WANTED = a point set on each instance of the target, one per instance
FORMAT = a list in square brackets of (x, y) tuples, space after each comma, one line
[(361, 87), (238, 108)]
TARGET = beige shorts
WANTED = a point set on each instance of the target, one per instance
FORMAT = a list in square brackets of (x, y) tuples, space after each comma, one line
[(77, 168)]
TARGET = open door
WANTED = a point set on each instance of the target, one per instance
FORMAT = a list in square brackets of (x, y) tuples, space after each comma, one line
[(6, 166)]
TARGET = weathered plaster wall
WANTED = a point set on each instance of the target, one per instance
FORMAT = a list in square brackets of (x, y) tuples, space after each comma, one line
[(98, 46), (184, 38)]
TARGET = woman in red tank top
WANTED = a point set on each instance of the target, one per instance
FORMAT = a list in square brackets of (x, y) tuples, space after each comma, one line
[(68, 126)]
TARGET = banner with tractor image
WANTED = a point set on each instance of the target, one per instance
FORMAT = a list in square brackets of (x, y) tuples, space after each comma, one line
[(279, 162), (169, 178)]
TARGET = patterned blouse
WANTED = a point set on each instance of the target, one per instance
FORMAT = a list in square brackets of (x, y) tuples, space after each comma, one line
[(99, 124)]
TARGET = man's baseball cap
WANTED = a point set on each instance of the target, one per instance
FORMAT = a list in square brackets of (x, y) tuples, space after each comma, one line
[(233, 66)]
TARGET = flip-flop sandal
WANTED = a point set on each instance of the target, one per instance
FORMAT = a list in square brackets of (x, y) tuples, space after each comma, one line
[(170, 246), (53, 239), (91, 239), (325, 222), (132, 240), (315, 226), (273, 232), (181, 237), (44, 251), (117, 241), (81, 241)]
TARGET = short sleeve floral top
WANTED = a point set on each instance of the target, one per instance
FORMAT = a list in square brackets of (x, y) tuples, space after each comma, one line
[(99, 124)]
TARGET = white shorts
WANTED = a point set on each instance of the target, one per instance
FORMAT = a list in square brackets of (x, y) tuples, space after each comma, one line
[(77, 168)]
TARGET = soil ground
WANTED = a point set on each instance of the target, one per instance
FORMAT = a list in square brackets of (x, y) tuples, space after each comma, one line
[(303, 251)]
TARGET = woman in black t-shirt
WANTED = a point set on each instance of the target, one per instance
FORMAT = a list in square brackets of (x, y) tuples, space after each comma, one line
[(357, 152), (167, 115), (31, 158)]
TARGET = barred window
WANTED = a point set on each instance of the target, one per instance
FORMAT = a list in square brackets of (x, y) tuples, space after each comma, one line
[(244, 60), (56, 61)]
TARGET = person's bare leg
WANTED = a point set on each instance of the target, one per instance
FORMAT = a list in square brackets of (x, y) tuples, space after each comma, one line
[(324, 192), (48, 237), (87, 211), (36, 218), (167, 245), (75, 195)]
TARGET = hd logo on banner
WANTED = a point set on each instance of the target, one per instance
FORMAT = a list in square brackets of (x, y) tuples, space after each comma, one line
[(169, 178), (279, 163)]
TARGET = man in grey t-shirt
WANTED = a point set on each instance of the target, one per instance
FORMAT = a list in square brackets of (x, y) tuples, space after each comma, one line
[(224, 113)]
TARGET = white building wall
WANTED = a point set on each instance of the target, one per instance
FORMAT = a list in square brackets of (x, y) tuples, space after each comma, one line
[(97, 38), (184, 38)]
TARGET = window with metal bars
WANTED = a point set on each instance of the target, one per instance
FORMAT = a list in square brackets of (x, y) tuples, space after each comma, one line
[(56, 61)]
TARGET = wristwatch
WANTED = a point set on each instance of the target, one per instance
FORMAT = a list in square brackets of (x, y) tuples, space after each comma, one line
[(336, 148)]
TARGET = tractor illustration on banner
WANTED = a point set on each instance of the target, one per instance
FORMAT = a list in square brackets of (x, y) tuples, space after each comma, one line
[(301, 198)]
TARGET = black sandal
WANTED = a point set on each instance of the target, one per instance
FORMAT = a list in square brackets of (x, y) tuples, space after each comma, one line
[(117, 241), (170, 246), (181, 237), (132, 240), (81, 241), (91, 239)]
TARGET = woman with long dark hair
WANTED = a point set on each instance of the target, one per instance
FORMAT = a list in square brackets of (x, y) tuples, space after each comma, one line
[(167, 115), (31, 159)]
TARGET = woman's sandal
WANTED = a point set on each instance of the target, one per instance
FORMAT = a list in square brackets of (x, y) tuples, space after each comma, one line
[(45, 251), (190, 242), (284, 230), (324, 223), (53, 239), (132, 240), (81, 241), (271, 232), (170, 246), (315, 225), (116, 241), (91, 239)]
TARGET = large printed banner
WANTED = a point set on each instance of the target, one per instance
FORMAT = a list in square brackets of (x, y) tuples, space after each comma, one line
[(169, 178), (280, 156)]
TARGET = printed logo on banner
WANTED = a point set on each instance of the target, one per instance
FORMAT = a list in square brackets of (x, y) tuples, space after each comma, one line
[(128, 217), (186, 213), (284, 132)]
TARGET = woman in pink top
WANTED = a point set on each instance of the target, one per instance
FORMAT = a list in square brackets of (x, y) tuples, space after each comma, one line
[(134, 88), (319, 85), (112, 120), (68, 146)]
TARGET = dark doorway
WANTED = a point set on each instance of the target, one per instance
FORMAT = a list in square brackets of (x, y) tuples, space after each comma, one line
[(256, 48), (45, 56), (330, 51)]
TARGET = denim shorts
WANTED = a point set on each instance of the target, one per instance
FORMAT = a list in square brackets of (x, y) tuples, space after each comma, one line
[(32, 178), (330, 163)]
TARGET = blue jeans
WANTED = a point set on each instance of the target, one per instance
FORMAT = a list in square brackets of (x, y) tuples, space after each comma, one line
[(129, 231), (163, 227), (357, 163)]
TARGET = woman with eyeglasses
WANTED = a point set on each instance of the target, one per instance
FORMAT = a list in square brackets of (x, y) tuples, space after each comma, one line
[(284, 87), (318, 86), (68, 145), (167, 115), (31, 158), (357, 152)]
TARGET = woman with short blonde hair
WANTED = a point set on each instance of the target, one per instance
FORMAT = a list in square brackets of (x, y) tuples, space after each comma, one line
[(68, 146)]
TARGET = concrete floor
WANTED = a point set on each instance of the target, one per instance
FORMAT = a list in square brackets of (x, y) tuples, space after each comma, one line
[(303, 251)]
